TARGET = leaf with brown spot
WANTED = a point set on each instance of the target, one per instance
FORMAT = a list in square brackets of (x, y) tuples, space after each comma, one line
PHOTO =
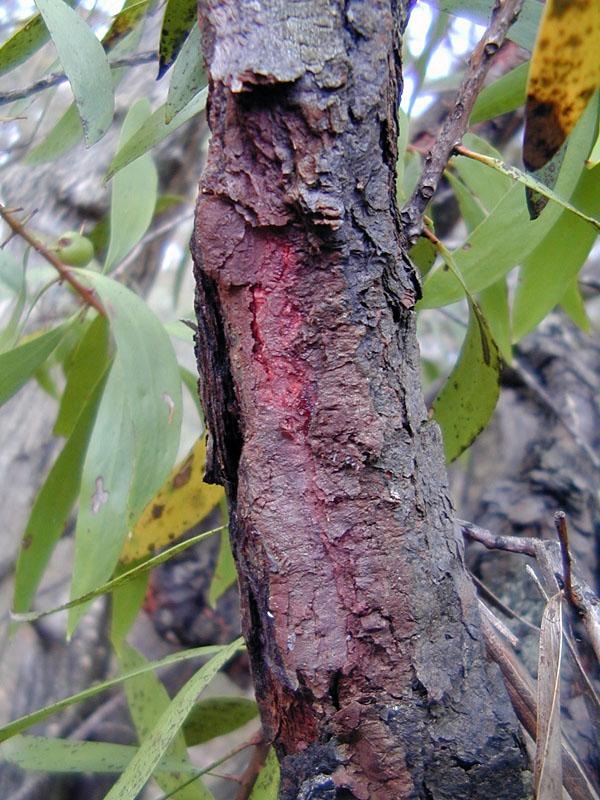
[(565, 72), (183, 501)]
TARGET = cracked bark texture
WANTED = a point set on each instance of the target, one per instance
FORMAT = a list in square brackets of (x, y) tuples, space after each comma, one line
[(360, 620)]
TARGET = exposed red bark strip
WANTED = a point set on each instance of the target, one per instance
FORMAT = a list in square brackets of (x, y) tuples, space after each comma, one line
[(360, 621)]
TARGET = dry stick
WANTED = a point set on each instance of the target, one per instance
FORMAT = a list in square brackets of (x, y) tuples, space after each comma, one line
[(521, 691), (456, 123), (64, 272), (560, 523), (59, 77), (493, 541)]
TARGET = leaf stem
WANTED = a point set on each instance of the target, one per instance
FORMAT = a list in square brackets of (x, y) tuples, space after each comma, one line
[(65, 273)]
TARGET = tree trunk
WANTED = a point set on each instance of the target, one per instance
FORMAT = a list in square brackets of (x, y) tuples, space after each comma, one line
[(360, 620)]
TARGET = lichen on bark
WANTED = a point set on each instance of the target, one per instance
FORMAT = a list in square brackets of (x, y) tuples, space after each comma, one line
[(360, 620)]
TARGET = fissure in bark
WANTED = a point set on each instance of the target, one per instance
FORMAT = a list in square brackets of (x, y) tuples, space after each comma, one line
[(360, 620)]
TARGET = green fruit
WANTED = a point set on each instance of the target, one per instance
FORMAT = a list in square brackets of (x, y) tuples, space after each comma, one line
[(74, 249)]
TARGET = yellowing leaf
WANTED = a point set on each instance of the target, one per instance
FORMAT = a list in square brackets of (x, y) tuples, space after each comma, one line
[(565, 72), (182, 502)]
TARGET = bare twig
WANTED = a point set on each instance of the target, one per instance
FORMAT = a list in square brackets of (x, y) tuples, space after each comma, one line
[(493, 541), (64, 272), (59, 77), (253, 769), (457, 121), (560, 522)]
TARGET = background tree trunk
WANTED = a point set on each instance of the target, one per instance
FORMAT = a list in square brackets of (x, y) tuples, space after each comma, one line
[(360, 620)]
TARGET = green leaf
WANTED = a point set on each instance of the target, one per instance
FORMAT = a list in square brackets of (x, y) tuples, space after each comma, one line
[(68, 131), (493, 302), (507, 235), (489, 187), (502, 96), (53, 505), (553, 265), (178, 19), (217, 716), (127, 601), (522, 32), (23, 43), (60, 139), (11, 274), (21, 363), (137, 425), (528, 179), (133, 196), (573, 305), (84, 62), (86, 368), (467, 400), (153, 131), (423, 254), (470, 207), (267, 783), (131, 13), (225, 574), (190, 381), (147, 700), (188, 75), (39, 754), (21, 724), (170, 722), (121, 580)]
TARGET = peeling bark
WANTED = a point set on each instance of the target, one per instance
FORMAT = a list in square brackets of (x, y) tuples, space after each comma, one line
[(360, 620)]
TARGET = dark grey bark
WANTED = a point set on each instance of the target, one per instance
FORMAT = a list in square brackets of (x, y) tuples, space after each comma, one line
[(360, 620)]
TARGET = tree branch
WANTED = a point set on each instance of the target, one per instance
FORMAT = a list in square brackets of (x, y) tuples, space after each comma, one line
[(457, 122), (65, 273), (59, 77)]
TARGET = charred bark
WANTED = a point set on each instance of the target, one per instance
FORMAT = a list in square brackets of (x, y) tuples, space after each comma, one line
[(360, 620)]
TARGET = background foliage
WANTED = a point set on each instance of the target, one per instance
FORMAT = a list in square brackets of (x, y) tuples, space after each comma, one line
[(490, 275)]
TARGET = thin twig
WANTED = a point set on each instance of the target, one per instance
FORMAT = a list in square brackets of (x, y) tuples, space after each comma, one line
[(59, 77), (514, 544), (252, 771), (457, 121), (64, 272), (560, 523)]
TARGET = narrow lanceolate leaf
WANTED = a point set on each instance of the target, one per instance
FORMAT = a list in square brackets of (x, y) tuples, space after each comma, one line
[(479, 258), (137, 425), (84, 62), (53, 505), (21, 724), (267, 783), (178, 19), (147, 700), (133, 196), (217, 716), (23, 43), (120, 580), (155, 745), (502, 96), (188, 75), (548, 757), (547, 271), (183, 501), (41, 754), (125, 21), (60, 139), (532, 183), (153, 131), (225, 574), (565, 72), (88, 365), (466, 402), (21, 363)]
